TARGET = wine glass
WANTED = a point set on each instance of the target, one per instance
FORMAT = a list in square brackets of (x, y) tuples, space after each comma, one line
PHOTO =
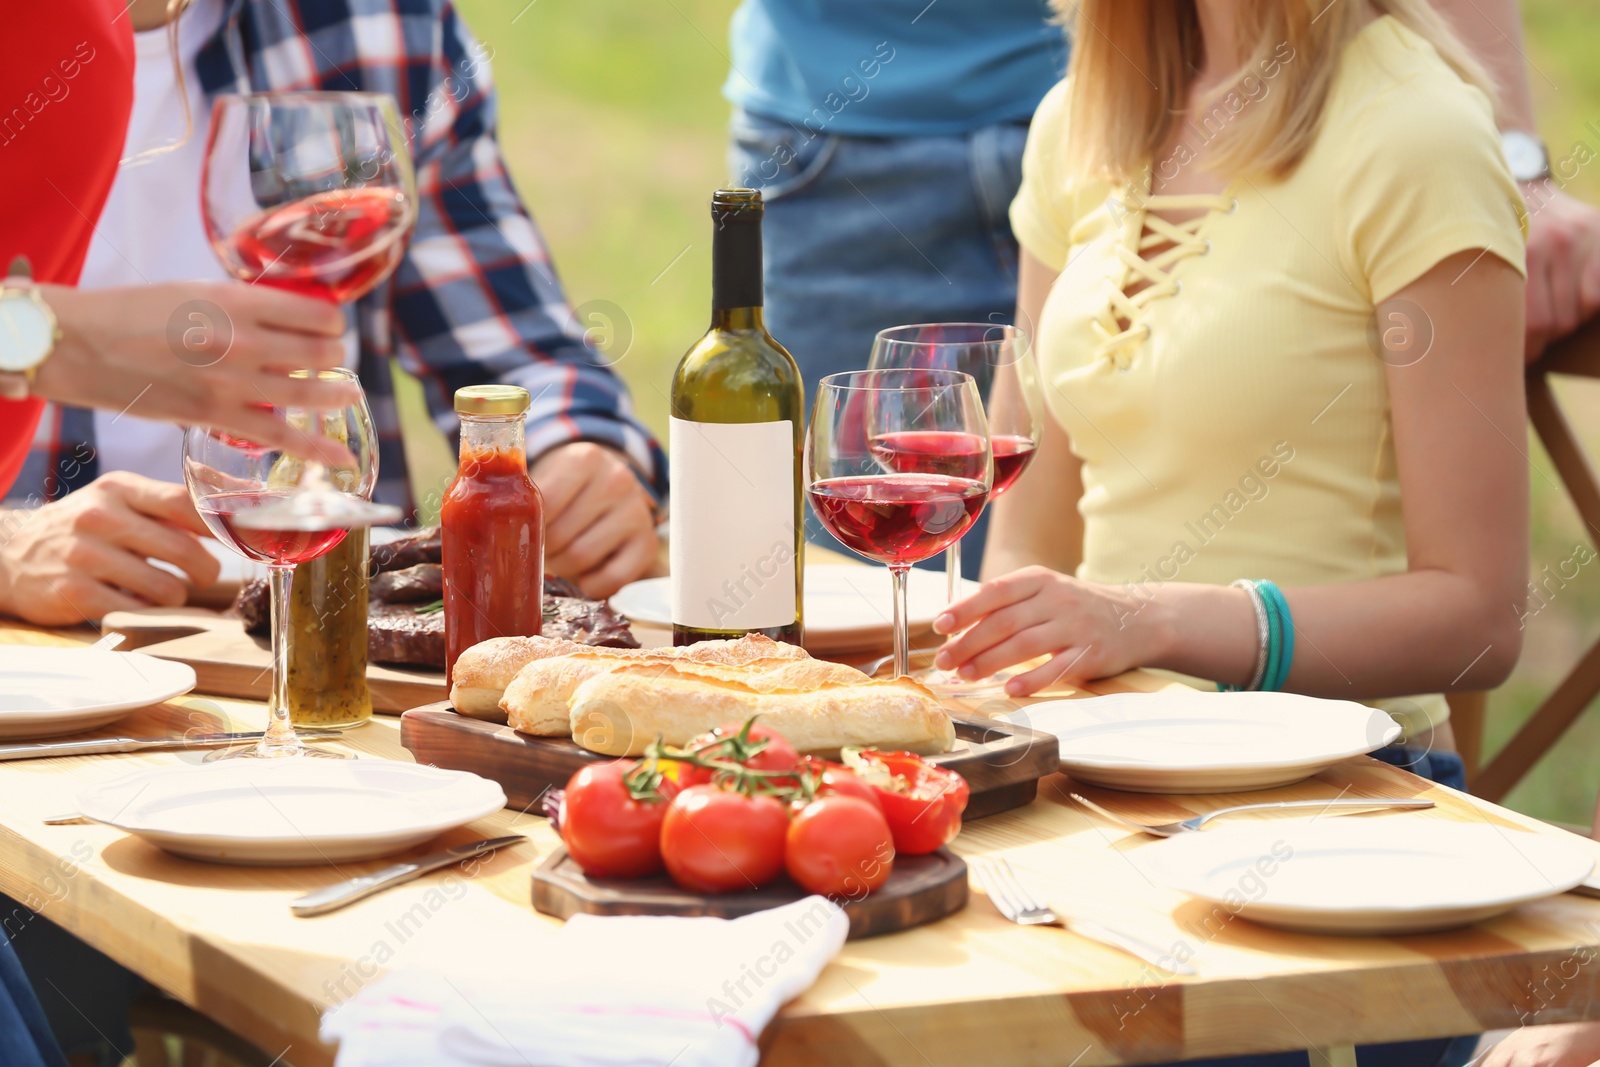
[(1001, 363), (870, 496), (234, 483), (313, 192)]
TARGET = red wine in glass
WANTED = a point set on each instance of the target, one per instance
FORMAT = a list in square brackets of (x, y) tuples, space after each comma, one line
[(949, 452), (336, 245), (1012, 454), (222, 512), (898, 519)]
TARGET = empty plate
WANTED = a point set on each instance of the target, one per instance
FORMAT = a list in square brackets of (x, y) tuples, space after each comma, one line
[(290, 811), (848, 607), (1389, 874), (46, 692), (1189, 741)]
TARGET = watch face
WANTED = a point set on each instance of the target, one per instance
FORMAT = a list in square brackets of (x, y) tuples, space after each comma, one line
[(1525, 155), (26, 333)]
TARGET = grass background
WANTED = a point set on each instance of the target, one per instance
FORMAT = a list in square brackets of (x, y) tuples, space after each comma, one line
[(613, 121)]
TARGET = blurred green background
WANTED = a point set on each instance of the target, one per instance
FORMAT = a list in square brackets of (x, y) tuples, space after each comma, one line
[(613, 121)]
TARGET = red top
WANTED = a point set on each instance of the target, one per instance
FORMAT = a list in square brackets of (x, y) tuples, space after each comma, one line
[(66, 76)]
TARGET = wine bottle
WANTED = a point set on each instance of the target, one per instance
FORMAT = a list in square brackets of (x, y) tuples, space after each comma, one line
[(738, 421)]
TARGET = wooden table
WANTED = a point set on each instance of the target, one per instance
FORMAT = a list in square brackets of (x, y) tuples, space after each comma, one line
[(971, 989)]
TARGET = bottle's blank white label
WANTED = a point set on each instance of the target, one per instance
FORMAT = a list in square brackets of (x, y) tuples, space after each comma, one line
[(732, 540)]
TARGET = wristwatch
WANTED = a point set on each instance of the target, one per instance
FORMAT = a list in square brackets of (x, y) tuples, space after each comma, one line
[(28, 330), (1526, 155)]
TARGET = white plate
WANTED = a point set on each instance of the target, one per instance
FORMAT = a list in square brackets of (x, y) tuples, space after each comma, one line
[(46, 692), (847, 607), (290, 811), (1189, 741), (1384, 874)]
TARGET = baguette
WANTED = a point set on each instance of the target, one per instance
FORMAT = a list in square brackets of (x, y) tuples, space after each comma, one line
[(483, 671), (538, 700), (620, 712)]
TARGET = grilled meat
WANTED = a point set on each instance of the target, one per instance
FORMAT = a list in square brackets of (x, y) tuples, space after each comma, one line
[(413, 585), (424, 546), (398, 633)]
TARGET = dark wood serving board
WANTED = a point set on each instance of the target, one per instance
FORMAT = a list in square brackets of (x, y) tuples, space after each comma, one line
[(228, 662), (1001, 761), (919, 890)]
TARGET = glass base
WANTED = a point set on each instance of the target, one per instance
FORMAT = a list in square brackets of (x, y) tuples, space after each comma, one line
[(319, 509), (261, 750), (950, 684)]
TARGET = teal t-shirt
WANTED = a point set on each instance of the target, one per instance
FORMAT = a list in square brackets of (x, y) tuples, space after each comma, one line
[(894, 68)]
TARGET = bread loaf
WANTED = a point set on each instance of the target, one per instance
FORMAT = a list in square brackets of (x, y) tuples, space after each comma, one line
[(483, 671), (538, 700), (620, 712)]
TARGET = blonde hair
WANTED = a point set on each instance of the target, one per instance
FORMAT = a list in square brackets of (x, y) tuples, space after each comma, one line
[(1134, 63)]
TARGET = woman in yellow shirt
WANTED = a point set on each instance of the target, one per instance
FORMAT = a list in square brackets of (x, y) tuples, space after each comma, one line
[(1274, 258)]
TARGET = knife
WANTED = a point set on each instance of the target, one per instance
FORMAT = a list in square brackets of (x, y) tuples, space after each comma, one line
[(1154, 955), (40, 749), (333, 897)]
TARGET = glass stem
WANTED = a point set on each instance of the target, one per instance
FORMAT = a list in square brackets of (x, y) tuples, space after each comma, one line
[(279, 739), (902, 640), (952, 573)]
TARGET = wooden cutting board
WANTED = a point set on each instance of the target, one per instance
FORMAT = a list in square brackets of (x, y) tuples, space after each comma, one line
[(1001, 761), (919, 890), (231, 663)]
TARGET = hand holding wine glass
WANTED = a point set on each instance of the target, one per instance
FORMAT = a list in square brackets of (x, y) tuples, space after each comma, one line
[(314, 193), (875, 500), (1001, 364)]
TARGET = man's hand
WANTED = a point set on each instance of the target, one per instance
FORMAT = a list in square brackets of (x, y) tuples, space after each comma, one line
[(77, 559), (599, 523), (1555, 1045), (1563, 264)]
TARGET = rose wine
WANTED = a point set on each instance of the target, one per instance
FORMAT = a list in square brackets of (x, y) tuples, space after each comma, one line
[(1012, 454), (948, 452), (738, 419), (898, 518), (222, 512), (335, 245)]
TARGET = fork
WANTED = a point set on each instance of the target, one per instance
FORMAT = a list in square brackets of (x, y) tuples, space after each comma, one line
[(1183, 826), (1016, 903)]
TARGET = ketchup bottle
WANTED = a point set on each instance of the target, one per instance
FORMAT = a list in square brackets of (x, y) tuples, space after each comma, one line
[(493, 526)]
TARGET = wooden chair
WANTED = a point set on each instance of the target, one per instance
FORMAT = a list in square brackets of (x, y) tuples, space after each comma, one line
[(1577, 355)]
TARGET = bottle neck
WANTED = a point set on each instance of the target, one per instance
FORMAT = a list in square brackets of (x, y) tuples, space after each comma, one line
[(494, 433), (749, 318), (736, 281)]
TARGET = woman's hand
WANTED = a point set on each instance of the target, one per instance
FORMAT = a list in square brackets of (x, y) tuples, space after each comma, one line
[(207, 354), (1087, 630)]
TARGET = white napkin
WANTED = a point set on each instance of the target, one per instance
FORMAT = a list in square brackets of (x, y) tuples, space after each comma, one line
[(622, 991)]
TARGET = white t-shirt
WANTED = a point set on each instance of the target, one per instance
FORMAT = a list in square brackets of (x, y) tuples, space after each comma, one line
[(151, 229)]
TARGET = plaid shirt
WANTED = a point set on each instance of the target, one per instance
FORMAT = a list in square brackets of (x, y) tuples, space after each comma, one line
[(475, 299)]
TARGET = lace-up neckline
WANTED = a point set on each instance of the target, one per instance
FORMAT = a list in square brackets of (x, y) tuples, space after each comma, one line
[(1121, 325)]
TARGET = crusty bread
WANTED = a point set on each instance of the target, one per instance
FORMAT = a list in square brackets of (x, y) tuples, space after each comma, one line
[(538, 700), (483, 671), (621, 711)]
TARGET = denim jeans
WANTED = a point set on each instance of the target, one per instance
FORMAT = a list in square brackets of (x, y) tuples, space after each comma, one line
[(864, 233), (25, 1038)]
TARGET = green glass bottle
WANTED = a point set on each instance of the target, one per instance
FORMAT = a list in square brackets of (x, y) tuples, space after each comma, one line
[(738, 423)]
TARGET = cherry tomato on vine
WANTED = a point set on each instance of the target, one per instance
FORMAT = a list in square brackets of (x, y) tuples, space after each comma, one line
[(714, 840), (777, 755), (609, 831), (836, 778), (839, 846)]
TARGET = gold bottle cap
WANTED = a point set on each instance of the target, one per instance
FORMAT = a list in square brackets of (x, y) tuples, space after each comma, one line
[(491, 400)]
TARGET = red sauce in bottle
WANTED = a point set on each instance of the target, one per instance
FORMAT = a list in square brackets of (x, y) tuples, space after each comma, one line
[(493, 527)]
